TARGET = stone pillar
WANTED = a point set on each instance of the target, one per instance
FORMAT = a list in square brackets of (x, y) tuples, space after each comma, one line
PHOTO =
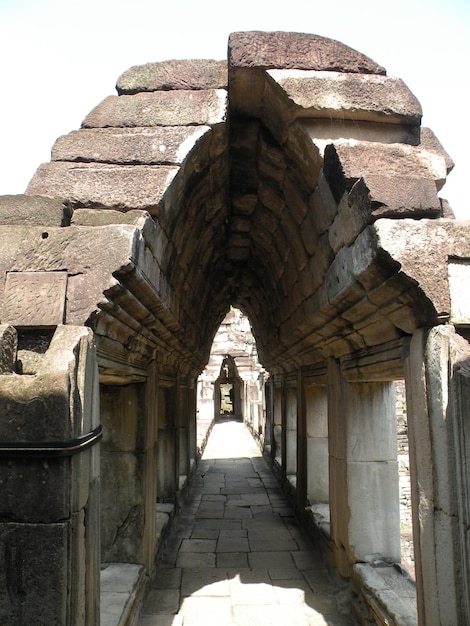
[(364, 503), (166, 443), (49, 477), (150, 468), (269, 423), (316, 411), (301, 447), (438, 388), (278, 447), (192, 422), (183, 420), (291, 429), (283, 406)]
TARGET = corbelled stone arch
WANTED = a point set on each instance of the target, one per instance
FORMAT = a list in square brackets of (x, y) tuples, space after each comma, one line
[(306, 194)]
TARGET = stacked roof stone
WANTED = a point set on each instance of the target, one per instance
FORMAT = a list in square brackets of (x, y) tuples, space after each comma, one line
[(267, 187)]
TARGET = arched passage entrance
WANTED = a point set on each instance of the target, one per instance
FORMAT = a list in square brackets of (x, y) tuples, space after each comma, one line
[(300, 187)]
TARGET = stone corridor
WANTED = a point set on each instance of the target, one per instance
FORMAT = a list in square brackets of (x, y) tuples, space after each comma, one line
[(236, 555), (293, 181)]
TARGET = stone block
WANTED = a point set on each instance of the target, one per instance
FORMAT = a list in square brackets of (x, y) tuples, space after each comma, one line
[(104, 217), (296, 197), (389, 291), (279, 49), (330, 94), (402, 196), (412, 243), (360, 159), (38, 408), (360, 311), (317, 469), (160, 108), (309, 234), (325, 131), (316, 410), (323, 204), (34, 408), (370, 422), (101, 185), (301, 150), (34, 490), (342, 287), (292, 233), (272, 198), (370, 264), (373, 531), (174, 74), (307, 286), (276, 111), (379, 329), (145, 146), (244, 203), (321, 260), (8, 347), (122, 520), (35, 299), (339, 507), (34, 585), (459, 279), (271, 159), (431, 144), (34, 211), (354, 214)]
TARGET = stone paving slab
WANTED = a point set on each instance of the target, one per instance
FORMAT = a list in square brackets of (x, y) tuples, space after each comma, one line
[(233, 544), (236, 556)]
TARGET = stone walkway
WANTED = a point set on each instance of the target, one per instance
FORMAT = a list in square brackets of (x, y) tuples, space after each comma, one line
[(235, 556)]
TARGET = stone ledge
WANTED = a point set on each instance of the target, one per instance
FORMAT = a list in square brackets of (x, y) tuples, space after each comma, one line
[(165, 513), (320, 514), (385, 594), (122, 592)]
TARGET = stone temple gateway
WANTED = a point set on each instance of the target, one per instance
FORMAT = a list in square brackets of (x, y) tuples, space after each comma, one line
[(294, 182)]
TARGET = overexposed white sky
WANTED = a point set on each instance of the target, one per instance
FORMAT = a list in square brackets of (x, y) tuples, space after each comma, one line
[(60, 58)]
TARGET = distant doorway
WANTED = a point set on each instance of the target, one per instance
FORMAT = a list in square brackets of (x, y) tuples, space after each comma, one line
[(228, 392), (226, 399)]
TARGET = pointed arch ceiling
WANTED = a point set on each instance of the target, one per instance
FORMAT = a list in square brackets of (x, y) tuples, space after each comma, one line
[(295, 183)]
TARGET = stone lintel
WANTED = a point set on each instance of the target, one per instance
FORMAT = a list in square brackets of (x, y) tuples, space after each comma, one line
[(34, 210), (366, 158), (325, 131), (378, 363), (122, 187), (164, 145), (403, 197), (174, 74), (160, 108), (349, 96), (284, 50), (398, 190)]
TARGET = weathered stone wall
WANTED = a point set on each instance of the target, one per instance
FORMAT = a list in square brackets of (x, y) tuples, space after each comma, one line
[(49, 472)]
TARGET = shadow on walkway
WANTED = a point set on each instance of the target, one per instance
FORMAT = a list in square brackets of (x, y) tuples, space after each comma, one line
[(235, 556)]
